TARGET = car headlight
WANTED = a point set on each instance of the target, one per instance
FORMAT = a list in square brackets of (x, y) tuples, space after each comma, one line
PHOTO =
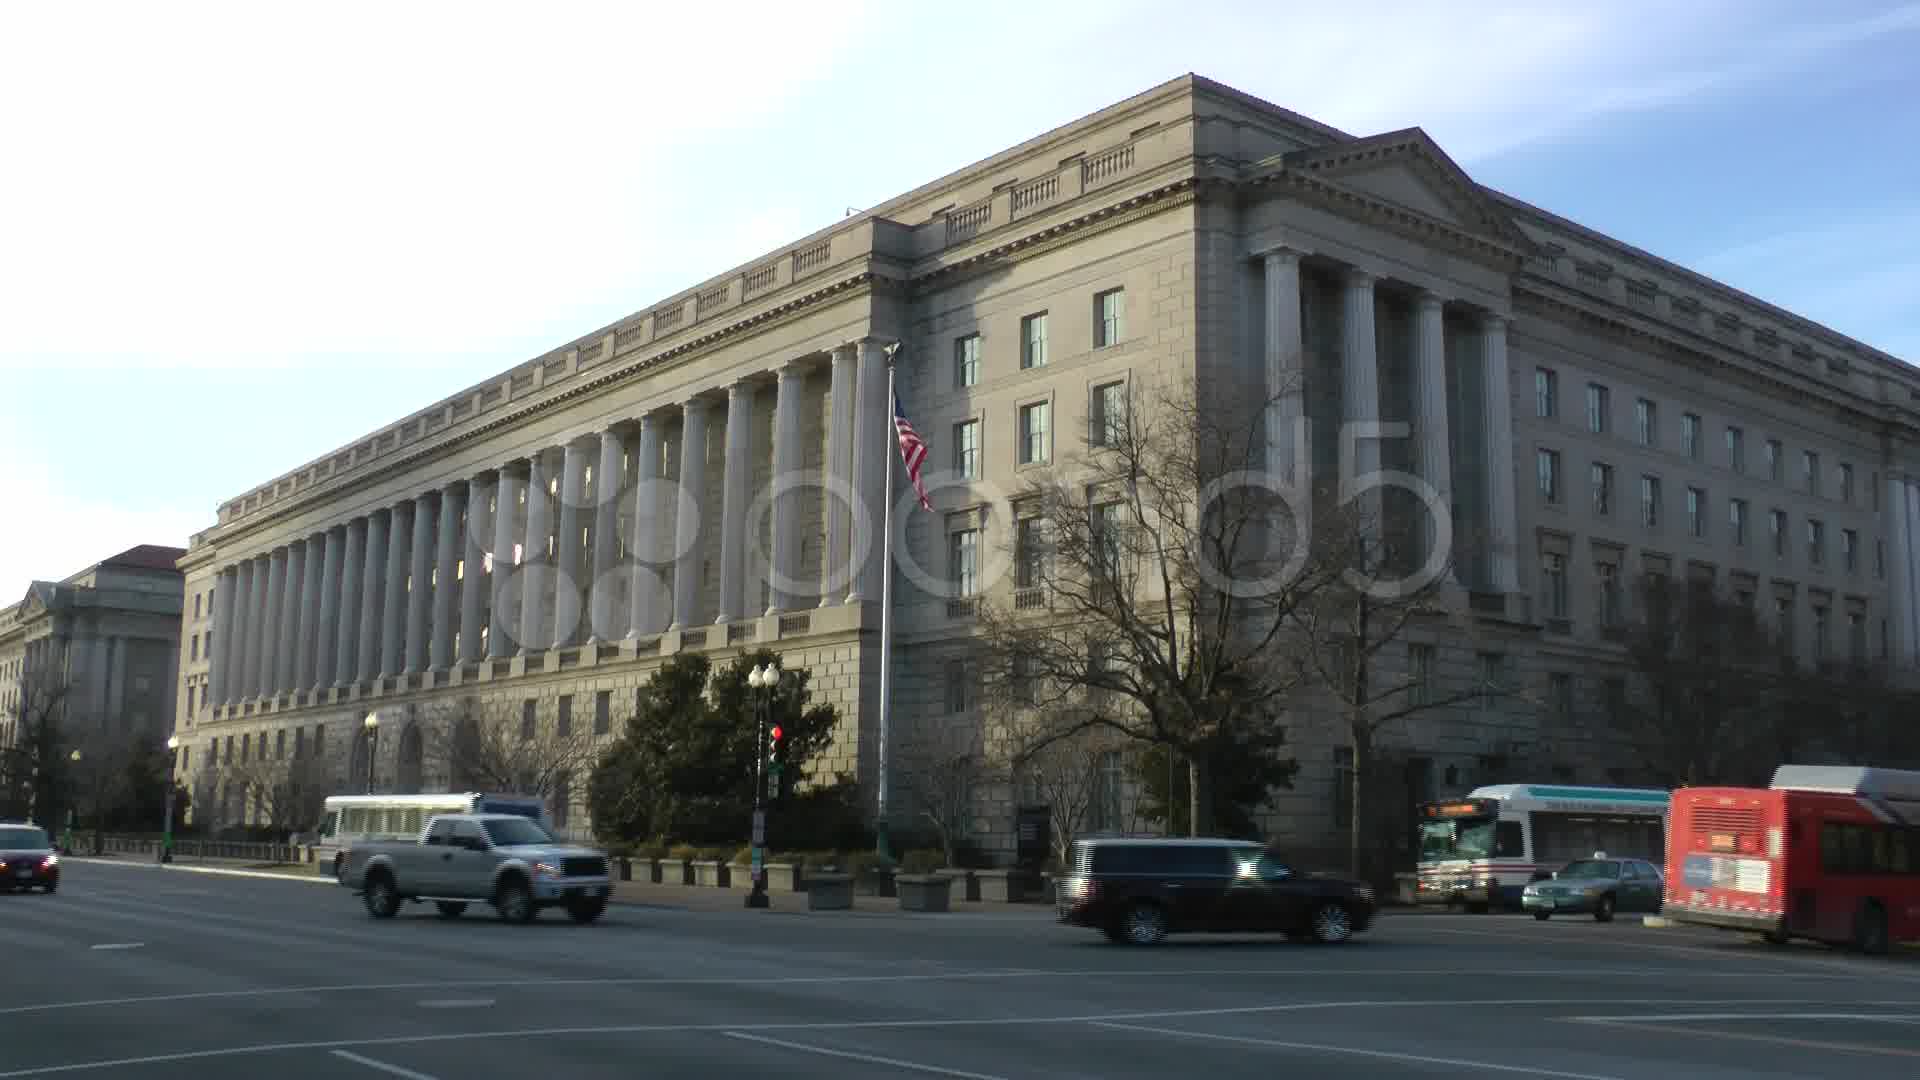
[(48, 862), (549, 870)]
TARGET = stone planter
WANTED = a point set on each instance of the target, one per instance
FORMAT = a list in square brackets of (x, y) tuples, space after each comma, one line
[(675, 872), (965, 885), (740, 876), (829, 892), (784, 877), (998, 886), (924, 892), (648, 870), (710, 872), (875, 881), (623, 868)]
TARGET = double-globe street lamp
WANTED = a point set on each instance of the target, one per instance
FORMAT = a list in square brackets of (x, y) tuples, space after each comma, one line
[(760, 684), (373, 743), (166, 826)]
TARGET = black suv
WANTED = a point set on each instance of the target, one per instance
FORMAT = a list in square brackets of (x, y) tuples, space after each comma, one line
[(1140, 891)]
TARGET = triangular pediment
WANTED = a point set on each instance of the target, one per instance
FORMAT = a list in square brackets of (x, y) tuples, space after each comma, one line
[(1409, 170)]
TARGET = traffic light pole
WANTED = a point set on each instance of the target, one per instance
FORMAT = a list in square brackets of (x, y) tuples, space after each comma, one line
[(758, 897)]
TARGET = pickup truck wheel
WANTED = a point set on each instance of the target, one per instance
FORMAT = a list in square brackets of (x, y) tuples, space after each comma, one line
[(451, 909), (585, 911), (514, 902), (382, 901)]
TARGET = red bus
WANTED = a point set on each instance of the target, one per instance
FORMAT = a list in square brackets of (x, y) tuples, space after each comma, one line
[(1828, 852)]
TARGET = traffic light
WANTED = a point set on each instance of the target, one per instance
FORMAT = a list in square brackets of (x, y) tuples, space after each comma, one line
[(773, 758)]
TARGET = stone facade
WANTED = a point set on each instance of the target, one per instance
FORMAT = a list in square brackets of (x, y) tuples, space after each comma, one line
[(1192, 230)]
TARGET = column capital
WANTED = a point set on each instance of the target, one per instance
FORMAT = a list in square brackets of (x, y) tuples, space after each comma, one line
[(1425, 298), (792, 369), (1281, 252), (847, 350), (1494, 320), (1359, 278)]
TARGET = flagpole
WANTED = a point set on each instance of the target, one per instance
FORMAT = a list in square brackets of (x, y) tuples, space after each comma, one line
[(886, 616)]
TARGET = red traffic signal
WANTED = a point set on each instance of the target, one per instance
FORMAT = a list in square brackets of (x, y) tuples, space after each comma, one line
[(775, 733)]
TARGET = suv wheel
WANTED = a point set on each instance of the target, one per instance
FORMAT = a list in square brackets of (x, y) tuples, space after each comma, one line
[(514, 902), (1146, 924), (1332, 924), (382, 901)]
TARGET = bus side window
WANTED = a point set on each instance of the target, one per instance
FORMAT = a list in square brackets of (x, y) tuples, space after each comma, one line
[(1508, 842)]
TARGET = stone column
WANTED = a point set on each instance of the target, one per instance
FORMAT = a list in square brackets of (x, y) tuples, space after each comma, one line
[(445, 586), (687, 525), (270, 639), (353, 559), (536, 569), (1360, 398), (294, 596), (607, 619), (306, 648), (1430, 409), (567, 548), (1503, 535), (474, 576), (371, 593), (1895, 515), (222, 680), (786, 508), (734, 493), (1285, 361), (393, 609), (420, 587), (836, 511), (506, 508), (326, 632), (873, 439), (649, 522)]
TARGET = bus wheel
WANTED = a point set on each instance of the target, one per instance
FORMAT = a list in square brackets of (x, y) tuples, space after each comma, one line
[(1542, 915), (1773, 938), (1478, 907), (1870, 930)]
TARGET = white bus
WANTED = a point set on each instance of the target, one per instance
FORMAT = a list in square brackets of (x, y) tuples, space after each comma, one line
[(348, 818), (1482, 850)]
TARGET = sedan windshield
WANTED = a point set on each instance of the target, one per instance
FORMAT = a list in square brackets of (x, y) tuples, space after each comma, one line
[(1591, 868), (21, 839), (508, 832)]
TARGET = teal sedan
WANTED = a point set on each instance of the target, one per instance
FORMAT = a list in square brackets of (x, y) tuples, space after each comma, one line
[(1599, 887)]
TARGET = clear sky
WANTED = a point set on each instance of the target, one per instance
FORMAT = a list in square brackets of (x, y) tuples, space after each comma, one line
[(234, 237)]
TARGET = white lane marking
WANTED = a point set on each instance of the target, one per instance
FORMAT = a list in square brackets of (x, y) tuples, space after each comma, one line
[(1418, 1059), (456, 1003), (121, 945), (392, 1070), (1689, 1018), (865, 1025), (315, 878), (1555, 974), (871, 1059)]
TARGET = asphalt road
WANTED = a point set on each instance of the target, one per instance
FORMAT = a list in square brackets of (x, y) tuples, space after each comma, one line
[(137, 972)]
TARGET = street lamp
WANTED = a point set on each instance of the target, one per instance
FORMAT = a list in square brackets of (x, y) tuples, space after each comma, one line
[(760, 683), (72, 811), (373, 744), (166, 827)]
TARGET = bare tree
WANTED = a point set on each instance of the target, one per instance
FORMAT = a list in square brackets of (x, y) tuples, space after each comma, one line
[(514, 758), (34, 762), (283, 793), (1155, 583), (1059, 758), (944, 766), (102, 778)]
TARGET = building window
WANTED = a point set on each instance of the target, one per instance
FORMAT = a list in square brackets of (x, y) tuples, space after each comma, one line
[(1819, 632), (1696, 512), (1492, 670), (1614, 700), (1546, 393), (189, 699), (562, 800), (196, 605), (1598, 406), (1109, 318), (602, 712), (1645, 421), (963, 555), (1560, 693), (1846, 483), (1419, 673), (1777, 531), (1857, 637), (1033, 341), (528, 718), (194, 646), (1602, 477), (1650, 501), (1608, 591), (1108, 523), (1027, 553), (1850, 551), (1879, 558), (956, 687), (1816, 542), (1109, 414), (280, 743), (563, 724), (966, 449), (1034, 433), (1342, 786), (1547, 464), (1775, 461), (1690, 435), (1810, 471), (1737, 521), (1553, 578), (966, 360), (1736, 450)]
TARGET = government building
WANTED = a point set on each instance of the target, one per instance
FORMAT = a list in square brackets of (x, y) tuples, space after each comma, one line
[(708, 474)]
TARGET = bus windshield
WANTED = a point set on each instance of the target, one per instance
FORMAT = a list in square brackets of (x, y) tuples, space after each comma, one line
[(1469, 838)]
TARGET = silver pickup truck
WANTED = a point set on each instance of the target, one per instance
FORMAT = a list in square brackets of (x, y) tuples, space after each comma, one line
[(508, 861)]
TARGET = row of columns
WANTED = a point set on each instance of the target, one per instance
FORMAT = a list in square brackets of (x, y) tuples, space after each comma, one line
[(1285, 352), (334, 607)]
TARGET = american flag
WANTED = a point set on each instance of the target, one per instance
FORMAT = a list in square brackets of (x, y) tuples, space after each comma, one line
[(912, 450)]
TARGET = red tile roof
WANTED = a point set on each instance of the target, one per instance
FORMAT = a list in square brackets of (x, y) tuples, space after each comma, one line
[(148, 557)]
